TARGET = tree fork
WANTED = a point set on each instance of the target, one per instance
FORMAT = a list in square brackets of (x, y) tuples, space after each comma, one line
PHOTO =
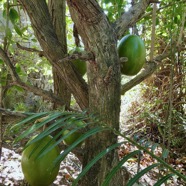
[(104, 86), (45, 33)]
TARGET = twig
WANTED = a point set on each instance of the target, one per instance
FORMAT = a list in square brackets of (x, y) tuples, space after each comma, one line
[(153, 35), (128, 19), (17, 81), (13, 113), (40, 53), (9, 65), (182, 28), (76, 36), (166, 6), (149, 68), (155, 1), (1, 129), (78, 55)]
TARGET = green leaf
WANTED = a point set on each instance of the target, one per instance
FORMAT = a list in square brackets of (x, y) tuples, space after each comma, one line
[(140, 174), (154, 146), (3, 81), (106, 1), (115, 169), (18, 68), (51, 116), (37, 126), (79, 140), (34, 40), (69, 119), (20, 89), (163, 180), (93, 161), (27, 120), (1, 61), (13, 15), (30, 119), (4, 13), (24, 29), (165, 153), (65, 120), (18, 30), (8, 33), (36, 147), (47, 148), (56, 125)]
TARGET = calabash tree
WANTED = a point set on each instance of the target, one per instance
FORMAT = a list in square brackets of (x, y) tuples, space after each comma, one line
[(102, 93)]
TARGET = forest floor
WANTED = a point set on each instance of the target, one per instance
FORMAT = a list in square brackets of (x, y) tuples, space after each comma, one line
[(10, 166)]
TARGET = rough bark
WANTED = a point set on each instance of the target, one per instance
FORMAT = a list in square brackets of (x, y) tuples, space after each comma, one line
[(57, 11), (129, 18), (45, 33), (99, 38), (104, 85)]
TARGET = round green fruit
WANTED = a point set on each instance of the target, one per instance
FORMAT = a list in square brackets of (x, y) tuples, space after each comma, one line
[(40, 171), (133, 48), (76, 122), (71, 138), (79, 64)]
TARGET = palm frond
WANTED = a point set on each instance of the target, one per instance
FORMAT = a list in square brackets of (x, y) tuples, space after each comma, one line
[(163, 180), (115, 169), (91, 132), (62, 120), (28, 120), (93, 161), (141, 173), (37, 126)]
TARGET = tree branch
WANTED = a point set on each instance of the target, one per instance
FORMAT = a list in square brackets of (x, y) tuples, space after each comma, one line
[(78, 55), (13, 113), (42, 25), (17, 81), (40, 53), (149, 69), (129, 18), (9, 65)]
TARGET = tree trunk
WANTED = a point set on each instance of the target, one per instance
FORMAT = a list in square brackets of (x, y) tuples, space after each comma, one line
[(103, 96), (43, 28), (57, 11), (104, 86)]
